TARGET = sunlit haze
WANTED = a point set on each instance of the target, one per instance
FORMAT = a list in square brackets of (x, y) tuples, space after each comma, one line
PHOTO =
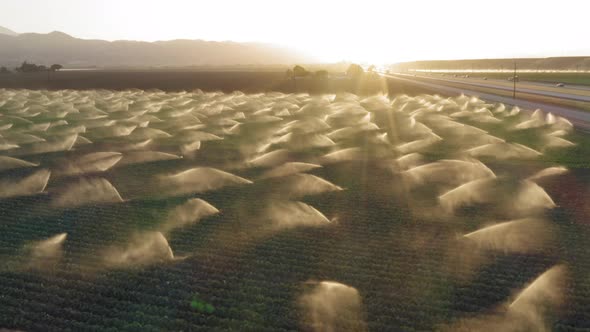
[(368, 31), (228, 165)]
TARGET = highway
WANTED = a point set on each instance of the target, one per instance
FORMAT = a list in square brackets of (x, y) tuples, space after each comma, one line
[(580, 119), (581, 88), (546, 90)]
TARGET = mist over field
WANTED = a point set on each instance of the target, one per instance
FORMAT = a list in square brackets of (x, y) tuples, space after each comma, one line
[(287, 211), (314, 166)]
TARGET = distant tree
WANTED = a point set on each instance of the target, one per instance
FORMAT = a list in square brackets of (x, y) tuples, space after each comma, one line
[(26, 67), (30, 68), (289, 73), (55, 67), (321, 74), (4, 70), (371, 68), (354, 71), (299, 71)]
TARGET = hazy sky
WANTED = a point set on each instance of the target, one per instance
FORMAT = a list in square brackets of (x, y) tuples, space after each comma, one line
[(370, 30)]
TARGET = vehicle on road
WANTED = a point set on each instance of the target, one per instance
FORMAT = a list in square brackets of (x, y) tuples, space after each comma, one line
[(513, 78), (560, 85)]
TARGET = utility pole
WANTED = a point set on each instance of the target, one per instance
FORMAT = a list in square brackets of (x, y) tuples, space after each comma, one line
[(514, 81)]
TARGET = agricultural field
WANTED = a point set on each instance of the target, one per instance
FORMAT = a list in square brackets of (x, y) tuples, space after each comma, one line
[(575, 78), (164, 79), (144, 210), (255, 80)]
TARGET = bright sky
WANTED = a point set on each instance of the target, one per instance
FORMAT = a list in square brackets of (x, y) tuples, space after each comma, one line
[(376, 31)]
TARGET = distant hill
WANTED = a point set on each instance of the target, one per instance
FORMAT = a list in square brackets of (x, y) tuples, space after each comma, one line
[(58, 47), (552, 63), (5, 31)]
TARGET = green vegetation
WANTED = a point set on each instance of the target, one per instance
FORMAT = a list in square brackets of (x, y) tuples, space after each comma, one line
[(582, 78), (321, 74), (355, 71), (354, 80), (299, 71), (579, 105), (33, 68), (202, 306), (565, 67), (55, 67), (246, 265)]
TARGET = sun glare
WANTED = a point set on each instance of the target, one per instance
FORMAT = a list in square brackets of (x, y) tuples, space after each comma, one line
[(314, 165), (369, 31)]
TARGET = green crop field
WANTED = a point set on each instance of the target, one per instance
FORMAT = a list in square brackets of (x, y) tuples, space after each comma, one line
[(577, 78), (148, 211)]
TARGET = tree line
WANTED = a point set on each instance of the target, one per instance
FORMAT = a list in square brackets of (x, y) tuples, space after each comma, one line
[(354, 71), (26, 67)]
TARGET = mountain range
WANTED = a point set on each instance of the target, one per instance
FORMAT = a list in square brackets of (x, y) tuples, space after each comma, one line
[(6, 31), (61, 48)]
